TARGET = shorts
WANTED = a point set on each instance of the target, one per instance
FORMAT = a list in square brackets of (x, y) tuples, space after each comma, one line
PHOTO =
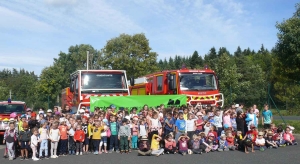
[(104, 139), (86, 141), (25, 145)]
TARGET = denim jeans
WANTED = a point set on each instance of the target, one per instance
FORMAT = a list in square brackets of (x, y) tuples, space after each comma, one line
[(44, 147), (114, 142), (63, 146)]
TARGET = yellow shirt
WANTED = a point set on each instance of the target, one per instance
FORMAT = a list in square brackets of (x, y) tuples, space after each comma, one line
[(90, 126), (97, 132), (185, 117), (20, 126), (154, 142)]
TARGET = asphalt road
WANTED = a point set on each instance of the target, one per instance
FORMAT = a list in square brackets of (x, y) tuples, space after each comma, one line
[(287, 117), (288, 154)]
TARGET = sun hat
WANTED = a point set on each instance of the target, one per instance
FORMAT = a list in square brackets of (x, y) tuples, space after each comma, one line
[(28, 110), (144, 138), (11, 120), (49, 111), (135, 118), (260, 133), (13, 115), (199, 114)]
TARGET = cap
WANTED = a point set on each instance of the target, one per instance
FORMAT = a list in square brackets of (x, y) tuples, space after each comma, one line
[(112, 106), (25, 125), (135, 117), (49, 111), (23, 116), (81, 110), (83, 107), (33, 114), (6, 119), (237, 105), (11, 120), (260, 133), (199, 114), (41, 112), (144, 138), (28, 110), (226, 126), (211, 135)]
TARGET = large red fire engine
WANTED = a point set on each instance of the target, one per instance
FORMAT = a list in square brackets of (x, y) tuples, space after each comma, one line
[(8, 107), (86, 83), (197, 85)]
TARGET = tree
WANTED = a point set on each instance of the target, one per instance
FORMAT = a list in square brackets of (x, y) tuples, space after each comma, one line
[(131, 53), (238, 52), (287, 49), (194, 61)]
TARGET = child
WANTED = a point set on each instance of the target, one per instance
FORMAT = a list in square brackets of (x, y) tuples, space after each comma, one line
[(85, 129), (183, 144), (10, 137), (155, 150), (223, 145), (135, 133), (239, 140), (34, 143), (199, 123), (63, 131), (144, 147), (169, 124), (278, 137), (291, 128), (96, 138), (79, 138), (170, 144), (195, 144), (114, 128), (24, 141), (218, 122), (54, 136), (71, 132), (124, 136), (233, 121), (273, 128), (211, 143), (230, 141), (250, 138), (207, 128), (44, 140), (180, 126), (289, 137), (143, 128), (260, 142), (154, 126), (104, 136), (190, 126), (270, 143)]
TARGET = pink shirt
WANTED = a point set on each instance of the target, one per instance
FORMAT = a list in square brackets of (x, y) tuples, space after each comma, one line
[(226, 120)]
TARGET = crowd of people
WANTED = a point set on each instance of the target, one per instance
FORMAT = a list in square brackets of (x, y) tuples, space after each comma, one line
[(150, 131)]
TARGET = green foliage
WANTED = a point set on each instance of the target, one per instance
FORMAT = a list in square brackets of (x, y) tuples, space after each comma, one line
[(131, 53)]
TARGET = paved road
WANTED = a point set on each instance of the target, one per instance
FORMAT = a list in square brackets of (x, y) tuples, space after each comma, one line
[(283, 155), (287, 117)]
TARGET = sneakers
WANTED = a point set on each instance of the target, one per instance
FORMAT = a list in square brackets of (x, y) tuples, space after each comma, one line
[(26, 158), (77, 153), (35, 159), (183, 153), (46, 157), (117, 151), (21, 158), (10, 158), (110, 151), (52, 156), (80, 153), (96, 152)]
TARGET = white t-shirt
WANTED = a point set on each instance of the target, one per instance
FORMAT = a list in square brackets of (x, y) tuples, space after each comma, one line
[(190, 125), (143, 131), (260, 141), (54, 134), (34, 141), (218, 121)]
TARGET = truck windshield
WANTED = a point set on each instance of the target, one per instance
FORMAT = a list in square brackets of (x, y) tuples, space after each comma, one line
[(98, 81), (197, 81), (9, 108)]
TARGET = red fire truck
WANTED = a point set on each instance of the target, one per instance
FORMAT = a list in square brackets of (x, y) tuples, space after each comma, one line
[(87, 83), (197, 85), (8, 107)]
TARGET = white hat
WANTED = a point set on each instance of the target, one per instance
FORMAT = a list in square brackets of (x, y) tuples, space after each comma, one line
[(237, 105), (41, 112), (49, 111), (81, 110), (11, 120)]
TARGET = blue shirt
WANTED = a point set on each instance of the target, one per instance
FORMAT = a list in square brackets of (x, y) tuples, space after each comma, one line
[(267, 116), (170, 122), (181, 124)]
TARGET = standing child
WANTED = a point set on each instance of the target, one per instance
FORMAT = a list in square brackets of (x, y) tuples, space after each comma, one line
[(96, 138), (104, 136), (168, 124), (218, 122), (114, 128), (135, 133), (54, 136), (144, 147), (170, 144), (196, 144), (143, 128), (180, 126), (44, 135), (199, 123), (24, 141), (79, 138), (86, 142), (124, 136), (63, 131), (233, 121), (10, 137), (71, 133), (34, 144), (155, 149)]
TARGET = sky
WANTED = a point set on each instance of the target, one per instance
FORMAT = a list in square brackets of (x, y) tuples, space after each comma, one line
[(33, 32)]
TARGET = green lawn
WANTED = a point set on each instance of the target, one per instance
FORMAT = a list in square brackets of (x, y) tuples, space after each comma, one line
[(284, 113), (294, 123)]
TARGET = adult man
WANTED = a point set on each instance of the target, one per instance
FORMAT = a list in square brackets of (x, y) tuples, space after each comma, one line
[(239, 108), (267, 117)]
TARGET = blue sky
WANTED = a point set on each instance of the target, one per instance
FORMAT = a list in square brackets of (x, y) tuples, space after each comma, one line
[(32, 32)]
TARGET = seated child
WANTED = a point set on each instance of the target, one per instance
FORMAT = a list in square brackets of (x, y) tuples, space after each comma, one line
[(289, 137), (223, 143), (183, 144), (155, 149), (278, 137), (230, 141), (144, 147), (270, 143), (212, 144), (291, 128), (203, 145), (260, 142), (273, 128), (195, 143), (239, 140), (170, 144), (250, 138)]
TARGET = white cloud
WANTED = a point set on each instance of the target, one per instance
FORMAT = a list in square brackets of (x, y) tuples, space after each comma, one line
[(61, 2)]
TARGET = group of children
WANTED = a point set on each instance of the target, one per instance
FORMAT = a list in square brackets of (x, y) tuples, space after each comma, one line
[(157, 131)]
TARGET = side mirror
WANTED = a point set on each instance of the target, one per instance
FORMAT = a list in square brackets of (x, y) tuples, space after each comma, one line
[(132, 81), (171, 82), (71, 84)]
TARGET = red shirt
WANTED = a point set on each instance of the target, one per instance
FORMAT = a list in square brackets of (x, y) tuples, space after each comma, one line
[(79, 135), (252, 134), (63, 130), (230, 141)]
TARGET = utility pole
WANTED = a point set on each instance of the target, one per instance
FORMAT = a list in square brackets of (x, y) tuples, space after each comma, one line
[(87, 60)]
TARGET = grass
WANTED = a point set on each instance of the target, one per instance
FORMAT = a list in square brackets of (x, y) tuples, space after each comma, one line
[(285, 113), (294, 123)]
